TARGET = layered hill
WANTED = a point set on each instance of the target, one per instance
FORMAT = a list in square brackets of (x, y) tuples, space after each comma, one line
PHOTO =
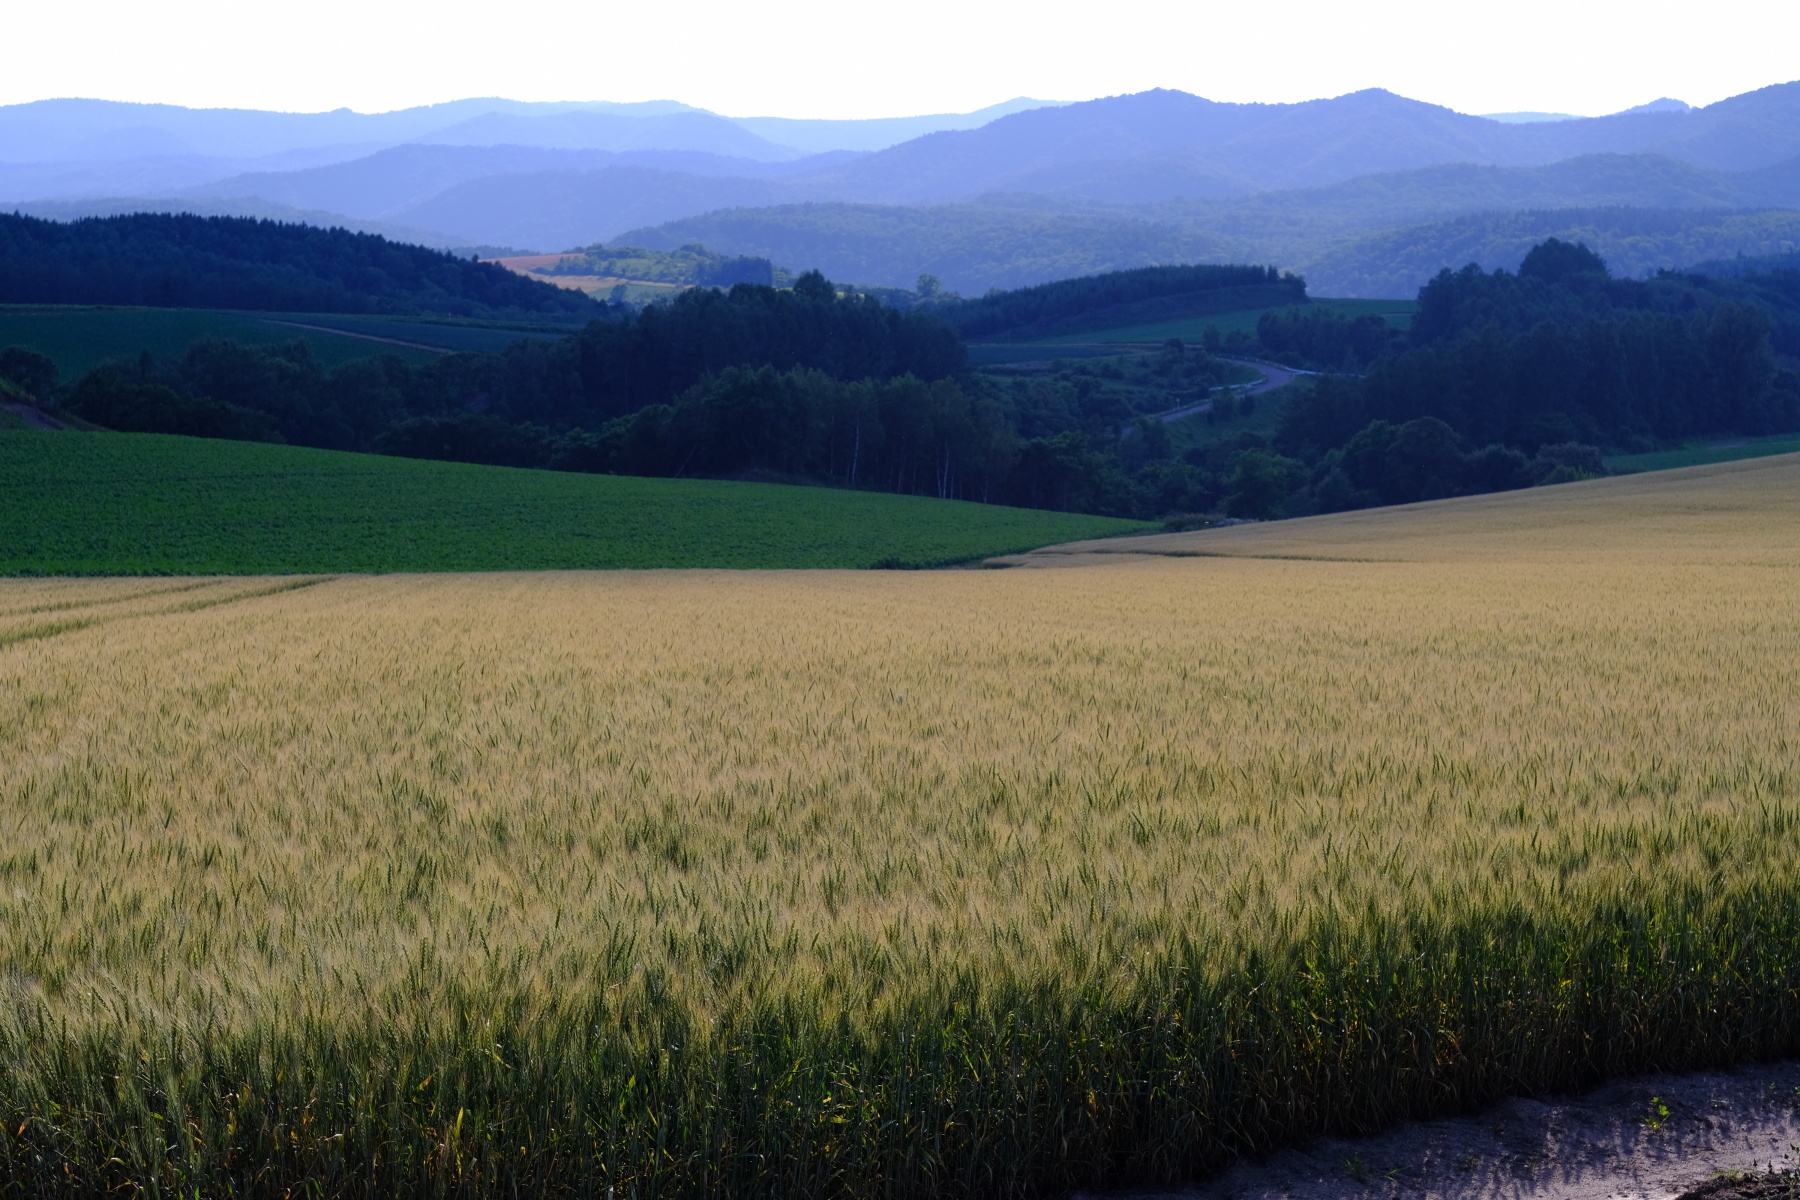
[(1124, 181), (223, 262), (1152, 148), (75, 148), (1634, 241), (1014, 243)]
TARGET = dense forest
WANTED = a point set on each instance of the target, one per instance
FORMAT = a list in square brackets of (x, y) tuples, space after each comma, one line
[(540, 388), (1766, 264), (181, 261), (1508, 378), (1504, 380), (805, 384)]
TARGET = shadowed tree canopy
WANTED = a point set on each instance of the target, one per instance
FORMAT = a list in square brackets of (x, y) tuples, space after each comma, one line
[(626, 366), (181, 261), (1505, 380), (1141, 293), (1557, 261)]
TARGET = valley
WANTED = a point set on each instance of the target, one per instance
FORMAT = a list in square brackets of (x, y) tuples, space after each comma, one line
[(578, 649)]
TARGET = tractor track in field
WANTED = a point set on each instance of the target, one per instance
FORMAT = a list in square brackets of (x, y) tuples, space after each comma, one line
[(53, 620), (366, 337)]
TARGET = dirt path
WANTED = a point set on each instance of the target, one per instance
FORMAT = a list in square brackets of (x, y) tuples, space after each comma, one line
[(31, 416), (1612, 1144)]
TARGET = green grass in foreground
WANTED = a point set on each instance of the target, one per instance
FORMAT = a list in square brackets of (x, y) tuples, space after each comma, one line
[(125, 504), (1699, 454)]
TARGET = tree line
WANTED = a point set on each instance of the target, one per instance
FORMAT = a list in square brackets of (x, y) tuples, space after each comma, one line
[(803, 384), (1504, 380), (1507, 379)]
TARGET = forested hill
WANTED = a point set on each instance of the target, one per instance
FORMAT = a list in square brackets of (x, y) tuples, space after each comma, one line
[(1546, 366), (505, 408), (1504, 379), (1785, 265), (1121, 298), (180, 261)]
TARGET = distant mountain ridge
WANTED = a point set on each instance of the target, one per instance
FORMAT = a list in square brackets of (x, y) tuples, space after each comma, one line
[(1167, 156), (255, 208), (388, 184), (1124, 181), (1319, 142), (876, 133), (106, 130), (1139, 148), (67, 148)]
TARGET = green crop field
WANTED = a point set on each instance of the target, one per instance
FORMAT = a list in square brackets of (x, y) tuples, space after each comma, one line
[(112, 503), (1701, 453), (79, 338)]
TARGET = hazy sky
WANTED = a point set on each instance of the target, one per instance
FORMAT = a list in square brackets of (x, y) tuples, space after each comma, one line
[(857, 58)]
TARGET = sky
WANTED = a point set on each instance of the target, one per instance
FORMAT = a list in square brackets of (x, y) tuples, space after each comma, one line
[(860, 58)]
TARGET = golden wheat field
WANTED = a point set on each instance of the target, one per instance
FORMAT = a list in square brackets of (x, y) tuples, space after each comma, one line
[(837, 883)]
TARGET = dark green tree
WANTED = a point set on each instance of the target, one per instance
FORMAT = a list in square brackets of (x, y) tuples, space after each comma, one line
[(30, 371), (1259, 485)]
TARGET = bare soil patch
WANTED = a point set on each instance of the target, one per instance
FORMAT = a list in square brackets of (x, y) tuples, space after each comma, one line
[(1711, 1136), (30, 416)]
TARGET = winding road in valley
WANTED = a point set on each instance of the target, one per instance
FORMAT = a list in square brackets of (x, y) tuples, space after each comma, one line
[(1272, 377)]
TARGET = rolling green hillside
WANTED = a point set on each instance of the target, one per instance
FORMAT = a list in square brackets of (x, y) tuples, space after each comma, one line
[(79, 338), (103, 504), (178, 260), (1703, 453)]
